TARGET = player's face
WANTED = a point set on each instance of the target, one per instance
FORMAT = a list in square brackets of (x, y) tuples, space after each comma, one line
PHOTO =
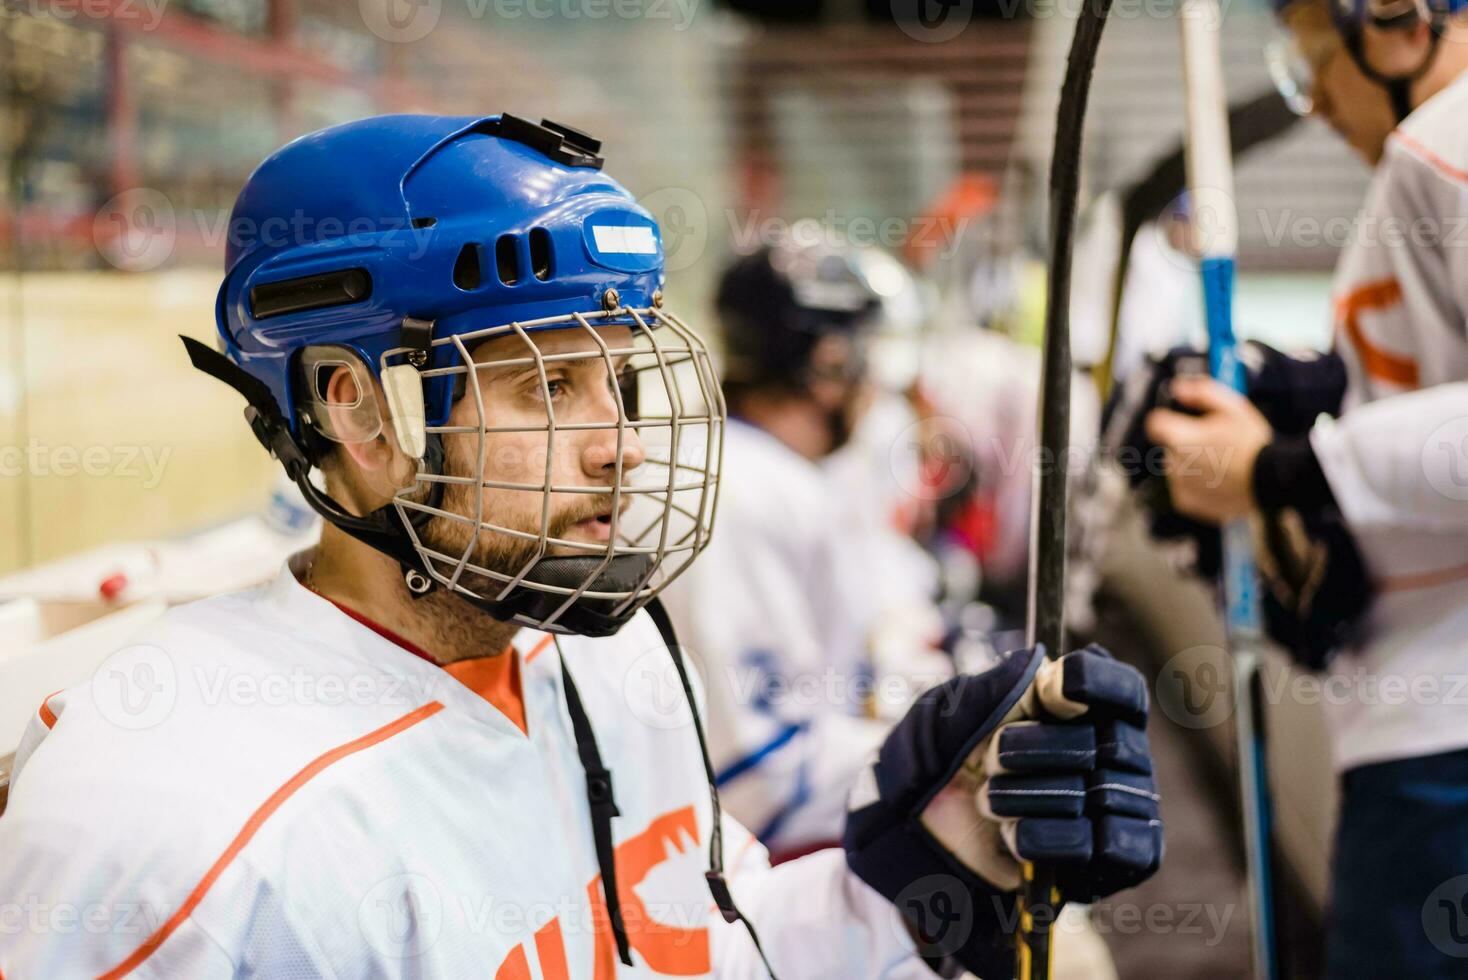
[(579, 388), (1357, 108), (838, 383)]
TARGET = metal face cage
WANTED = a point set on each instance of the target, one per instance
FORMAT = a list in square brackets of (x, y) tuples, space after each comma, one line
[(663, 422)]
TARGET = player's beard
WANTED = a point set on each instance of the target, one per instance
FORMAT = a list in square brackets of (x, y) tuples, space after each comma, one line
[(494, 550)]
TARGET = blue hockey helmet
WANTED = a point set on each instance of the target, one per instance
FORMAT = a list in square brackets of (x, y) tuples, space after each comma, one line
[(394, 247)]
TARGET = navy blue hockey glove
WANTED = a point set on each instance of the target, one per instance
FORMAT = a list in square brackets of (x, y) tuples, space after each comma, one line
[(1032, 760), (1290, 391)]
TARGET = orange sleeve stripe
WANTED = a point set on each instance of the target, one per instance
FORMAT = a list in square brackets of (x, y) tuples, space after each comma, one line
[(48, 718), (536, 650), (1380, 364), (256, 821), (1431, 159), (1424, 580)]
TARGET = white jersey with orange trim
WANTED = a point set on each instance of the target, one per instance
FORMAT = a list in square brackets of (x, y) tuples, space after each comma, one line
[(776, 613), (261, 785), (1397, 458)]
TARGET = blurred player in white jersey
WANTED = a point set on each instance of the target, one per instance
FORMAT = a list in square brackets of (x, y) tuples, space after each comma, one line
[(1356, 464), (780, 610)]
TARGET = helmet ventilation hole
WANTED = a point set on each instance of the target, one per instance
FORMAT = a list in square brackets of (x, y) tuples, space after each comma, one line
[(507, 260), (466, 267), (540, 253)]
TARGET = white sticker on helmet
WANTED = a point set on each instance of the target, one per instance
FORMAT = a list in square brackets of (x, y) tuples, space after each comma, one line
[(625, 239)]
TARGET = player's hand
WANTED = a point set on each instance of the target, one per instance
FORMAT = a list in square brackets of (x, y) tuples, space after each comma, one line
[(1031, 760), (1210, 456)]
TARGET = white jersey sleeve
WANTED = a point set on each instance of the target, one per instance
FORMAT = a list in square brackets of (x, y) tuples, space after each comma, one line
[(1401, 462), (839, 928)]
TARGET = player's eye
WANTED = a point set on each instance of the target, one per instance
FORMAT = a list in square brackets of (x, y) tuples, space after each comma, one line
[(627, 385), (555, 388)]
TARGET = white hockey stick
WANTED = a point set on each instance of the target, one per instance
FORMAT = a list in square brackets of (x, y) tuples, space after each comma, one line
[(1211, 195)]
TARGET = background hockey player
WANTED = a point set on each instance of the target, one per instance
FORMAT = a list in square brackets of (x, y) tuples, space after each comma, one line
[(783, 609), (480, 766), (1366, 525)]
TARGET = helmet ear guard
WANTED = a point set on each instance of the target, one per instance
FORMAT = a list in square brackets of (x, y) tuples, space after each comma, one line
[(403, 386)]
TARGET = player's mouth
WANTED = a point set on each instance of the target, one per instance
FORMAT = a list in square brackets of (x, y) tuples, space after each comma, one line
[(596, 529)]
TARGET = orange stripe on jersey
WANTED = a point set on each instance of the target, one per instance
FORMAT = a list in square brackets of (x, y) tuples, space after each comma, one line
[(1431, 159), (496, 679), (1380, 364), (1424, 580), (48, 718), (536, 650), (256, 821), (515, 966), (551, 948)]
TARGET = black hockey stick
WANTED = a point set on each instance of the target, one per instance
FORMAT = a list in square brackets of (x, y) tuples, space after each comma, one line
[(1040, 898)]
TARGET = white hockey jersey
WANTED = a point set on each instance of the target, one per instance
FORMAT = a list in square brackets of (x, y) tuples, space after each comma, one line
[(264, 785), (1397, 458)]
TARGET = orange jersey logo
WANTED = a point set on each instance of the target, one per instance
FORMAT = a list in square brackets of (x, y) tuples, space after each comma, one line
[(668, 949)]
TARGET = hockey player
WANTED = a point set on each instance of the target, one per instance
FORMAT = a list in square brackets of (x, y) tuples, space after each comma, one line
[(1367, 508), (442, 744), (782, 610)]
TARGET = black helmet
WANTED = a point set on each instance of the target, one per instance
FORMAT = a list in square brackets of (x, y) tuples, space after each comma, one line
[(777, 303)]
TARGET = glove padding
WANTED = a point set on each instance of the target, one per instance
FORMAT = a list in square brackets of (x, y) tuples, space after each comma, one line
[(1290, 390), (1318, 591), (1032, 760)]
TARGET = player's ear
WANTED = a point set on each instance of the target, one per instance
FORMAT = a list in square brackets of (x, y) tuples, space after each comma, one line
[(374, 456)]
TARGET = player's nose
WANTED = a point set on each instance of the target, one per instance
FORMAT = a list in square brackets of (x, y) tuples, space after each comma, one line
[(599, 456), (603, 444)]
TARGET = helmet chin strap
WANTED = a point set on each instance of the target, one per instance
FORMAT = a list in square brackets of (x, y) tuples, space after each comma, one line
[(1398, 87)]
